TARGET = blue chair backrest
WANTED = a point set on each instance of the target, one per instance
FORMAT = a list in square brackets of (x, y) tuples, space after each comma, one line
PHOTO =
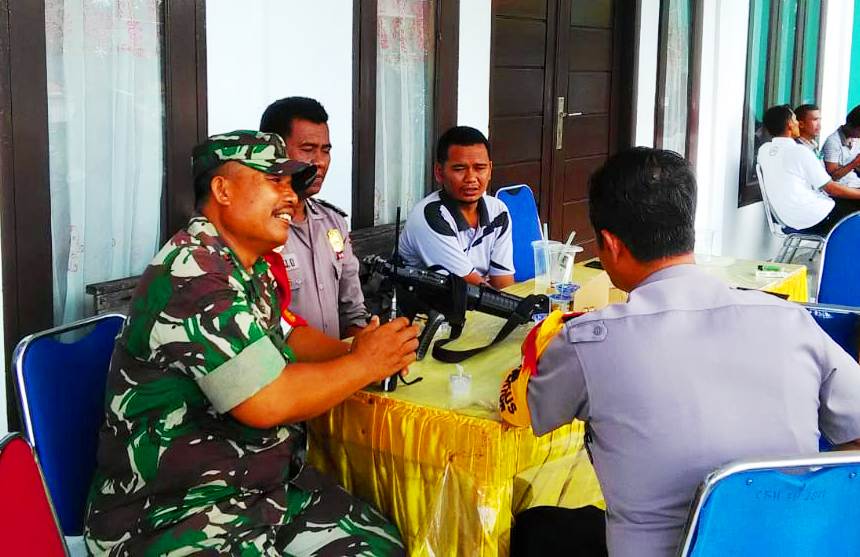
[(777, 508), (525, 227), (61, 386), (842, 324), (840, 266)]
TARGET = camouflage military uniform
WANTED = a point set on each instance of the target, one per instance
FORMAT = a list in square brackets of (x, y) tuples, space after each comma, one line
[(176, 474)]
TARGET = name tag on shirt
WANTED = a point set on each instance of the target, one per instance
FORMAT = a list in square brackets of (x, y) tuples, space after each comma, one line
[(292, 264), (291, 261)]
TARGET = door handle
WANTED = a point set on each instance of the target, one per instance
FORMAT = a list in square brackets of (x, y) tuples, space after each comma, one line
[(560, 115)]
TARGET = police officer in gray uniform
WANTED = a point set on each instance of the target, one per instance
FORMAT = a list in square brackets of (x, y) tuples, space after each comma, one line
[(323, 270), (683, 378)]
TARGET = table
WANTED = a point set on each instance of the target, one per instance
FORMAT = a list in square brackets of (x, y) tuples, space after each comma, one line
[(448, 472)]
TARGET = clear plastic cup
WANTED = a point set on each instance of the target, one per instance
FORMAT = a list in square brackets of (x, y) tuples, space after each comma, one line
[(543, 253), (563, 257)]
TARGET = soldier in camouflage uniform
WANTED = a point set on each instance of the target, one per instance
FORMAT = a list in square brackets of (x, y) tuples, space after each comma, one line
[(203, 444)]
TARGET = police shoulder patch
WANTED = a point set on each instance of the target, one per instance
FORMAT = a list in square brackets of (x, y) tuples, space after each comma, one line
[(590, 331), (331, 206)]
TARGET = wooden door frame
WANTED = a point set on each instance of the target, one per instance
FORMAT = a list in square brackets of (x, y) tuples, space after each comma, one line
[(25, 190), (622, 91)]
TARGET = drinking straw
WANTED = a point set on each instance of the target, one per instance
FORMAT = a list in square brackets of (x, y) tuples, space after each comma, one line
[(546, 259), (570, 238)]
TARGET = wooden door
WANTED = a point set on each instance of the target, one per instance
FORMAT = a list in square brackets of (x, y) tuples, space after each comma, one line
[(552, 58)]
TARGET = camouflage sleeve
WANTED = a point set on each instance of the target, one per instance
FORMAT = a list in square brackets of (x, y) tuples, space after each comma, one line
[(208, 330)]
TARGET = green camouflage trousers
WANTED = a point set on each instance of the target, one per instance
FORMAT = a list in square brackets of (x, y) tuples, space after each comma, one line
[(333, 522), (319, 518)]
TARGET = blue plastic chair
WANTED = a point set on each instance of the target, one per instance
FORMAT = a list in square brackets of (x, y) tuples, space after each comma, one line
[(788, 507), (842, 324), (840, 267), (525, 227), (61, 388)]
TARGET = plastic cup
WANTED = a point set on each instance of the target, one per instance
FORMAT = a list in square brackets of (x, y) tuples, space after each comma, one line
[(563, 259), (543, 254), (704, 247), (460, 386), (561, 302)]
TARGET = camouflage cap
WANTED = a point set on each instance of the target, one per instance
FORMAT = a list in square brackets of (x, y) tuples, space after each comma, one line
[(261, 151)]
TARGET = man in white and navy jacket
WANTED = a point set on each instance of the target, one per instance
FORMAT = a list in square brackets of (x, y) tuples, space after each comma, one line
[(459, 229)]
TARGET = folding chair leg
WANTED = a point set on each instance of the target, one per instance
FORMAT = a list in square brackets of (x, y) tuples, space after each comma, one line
[(783, 250), (795, 245)]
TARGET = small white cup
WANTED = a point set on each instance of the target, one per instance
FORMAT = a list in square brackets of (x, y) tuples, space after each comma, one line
[(460, 386)]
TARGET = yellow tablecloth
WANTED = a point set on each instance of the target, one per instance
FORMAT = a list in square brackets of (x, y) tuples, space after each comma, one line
[(447, 471), (742, 273)]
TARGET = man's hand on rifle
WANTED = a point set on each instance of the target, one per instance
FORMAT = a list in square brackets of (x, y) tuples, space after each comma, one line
[(386, 349)]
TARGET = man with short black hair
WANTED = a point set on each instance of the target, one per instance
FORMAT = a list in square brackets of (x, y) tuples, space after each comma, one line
[(809, 124), (798, 188), (841, 151), (323, 269), (203, 446), (685, 377), (459, 229)]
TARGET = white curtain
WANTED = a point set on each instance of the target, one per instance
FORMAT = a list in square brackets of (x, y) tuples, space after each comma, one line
[(675, 95), (106, 132), (404, 95)]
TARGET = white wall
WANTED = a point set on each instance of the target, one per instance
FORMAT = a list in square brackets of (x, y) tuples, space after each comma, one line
[(473, 92), (647, 35), (262, 50), (740, 232)]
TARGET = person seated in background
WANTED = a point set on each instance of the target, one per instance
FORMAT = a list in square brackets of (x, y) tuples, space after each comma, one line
[(809, 126), (459, 229), (203, 446), (323, 270), (685, 377), (798, 188), (841, 151)]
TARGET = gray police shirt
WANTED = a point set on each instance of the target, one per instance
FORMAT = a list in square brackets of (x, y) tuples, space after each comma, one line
[(437, 237), (323, 270), (687, 376)]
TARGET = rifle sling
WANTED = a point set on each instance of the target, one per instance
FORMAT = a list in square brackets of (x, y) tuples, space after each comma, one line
[(517, 318)]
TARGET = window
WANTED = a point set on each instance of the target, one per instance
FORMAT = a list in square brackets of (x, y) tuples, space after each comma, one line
[(854, 82), (405, 93), (783, 50), (106, 143), (38, 128), (678, 80)]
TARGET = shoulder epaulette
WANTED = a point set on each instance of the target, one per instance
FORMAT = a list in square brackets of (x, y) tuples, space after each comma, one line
[(331, 206)]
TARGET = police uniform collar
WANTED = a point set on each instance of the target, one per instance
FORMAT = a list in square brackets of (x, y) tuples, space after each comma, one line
[(312, 210), (454, 208), (682, 269)]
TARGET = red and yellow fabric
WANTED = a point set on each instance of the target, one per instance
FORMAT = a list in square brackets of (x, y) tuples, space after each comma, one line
[(279, 270), (513, 401)]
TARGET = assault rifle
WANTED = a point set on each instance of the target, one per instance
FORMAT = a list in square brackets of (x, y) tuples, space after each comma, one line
[(447, 298)]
